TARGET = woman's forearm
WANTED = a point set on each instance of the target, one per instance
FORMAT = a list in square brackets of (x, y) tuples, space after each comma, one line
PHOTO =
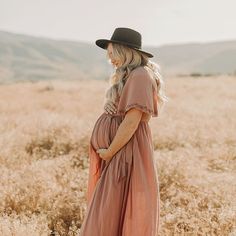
[(123, 135)]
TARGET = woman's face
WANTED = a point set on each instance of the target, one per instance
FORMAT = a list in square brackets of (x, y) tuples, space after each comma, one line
[(116, 62)]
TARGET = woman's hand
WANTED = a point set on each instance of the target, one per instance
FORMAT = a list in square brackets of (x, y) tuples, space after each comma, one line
[(110, 107), (104, 153)]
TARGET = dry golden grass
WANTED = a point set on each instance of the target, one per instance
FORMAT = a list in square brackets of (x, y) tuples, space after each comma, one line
[(45, 129)]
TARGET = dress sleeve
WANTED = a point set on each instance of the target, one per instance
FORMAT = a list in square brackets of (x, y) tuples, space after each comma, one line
[(139, 92)]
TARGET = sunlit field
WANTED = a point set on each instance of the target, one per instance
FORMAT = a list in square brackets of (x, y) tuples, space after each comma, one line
[(44, 135)]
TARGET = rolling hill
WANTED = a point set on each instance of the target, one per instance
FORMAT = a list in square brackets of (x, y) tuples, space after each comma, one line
[(24, 57)]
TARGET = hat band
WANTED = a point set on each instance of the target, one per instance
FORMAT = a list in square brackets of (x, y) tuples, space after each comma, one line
[(126, 43)]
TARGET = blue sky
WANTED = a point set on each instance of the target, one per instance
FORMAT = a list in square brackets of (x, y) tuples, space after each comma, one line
[(160, 22)]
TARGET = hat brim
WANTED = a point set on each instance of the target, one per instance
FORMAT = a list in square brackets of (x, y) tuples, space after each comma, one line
[(103, 43)]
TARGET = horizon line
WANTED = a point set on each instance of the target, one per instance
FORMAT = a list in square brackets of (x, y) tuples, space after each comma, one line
[(90, 42)]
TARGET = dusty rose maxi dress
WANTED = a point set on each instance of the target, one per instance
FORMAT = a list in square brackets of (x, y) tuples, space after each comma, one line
[(123, 195)]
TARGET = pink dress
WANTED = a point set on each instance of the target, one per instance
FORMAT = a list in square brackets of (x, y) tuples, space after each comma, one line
[(123, 195)]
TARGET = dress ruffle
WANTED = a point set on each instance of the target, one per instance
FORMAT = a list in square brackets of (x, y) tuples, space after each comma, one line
[(139, 91)]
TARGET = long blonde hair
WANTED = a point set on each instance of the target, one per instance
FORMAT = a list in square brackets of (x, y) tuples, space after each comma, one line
[(130, 59)]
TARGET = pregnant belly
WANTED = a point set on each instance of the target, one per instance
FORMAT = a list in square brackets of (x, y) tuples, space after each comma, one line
[(105, 130)]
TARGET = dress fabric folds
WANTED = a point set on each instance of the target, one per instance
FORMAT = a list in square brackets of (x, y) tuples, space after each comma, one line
[(123, 194)]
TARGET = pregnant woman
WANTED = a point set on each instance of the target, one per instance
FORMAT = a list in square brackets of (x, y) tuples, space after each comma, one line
[(123, 190)]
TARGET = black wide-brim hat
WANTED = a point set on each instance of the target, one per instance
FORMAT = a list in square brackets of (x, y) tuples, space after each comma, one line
[(125, 36)]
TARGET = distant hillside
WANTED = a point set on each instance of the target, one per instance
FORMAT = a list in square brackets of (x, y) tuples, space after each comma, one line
[(205, 58), (25, 57)]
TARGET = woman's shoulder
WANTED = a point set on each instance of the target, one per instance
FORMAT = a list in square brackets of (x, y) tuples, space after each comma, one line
[(140, 70), (142, 73)]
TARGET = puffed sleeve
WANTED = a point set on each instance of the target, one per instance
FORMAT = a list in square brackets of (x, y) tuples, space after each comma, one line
[(139, 91)]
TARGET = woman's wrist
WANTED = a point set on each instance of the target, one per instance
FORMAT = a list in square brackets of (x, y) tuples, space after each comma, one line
[(110, 151)]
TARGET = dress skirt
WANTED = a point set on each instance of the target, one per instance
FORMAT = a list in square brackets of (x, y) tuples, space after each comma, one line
[(123, 194)]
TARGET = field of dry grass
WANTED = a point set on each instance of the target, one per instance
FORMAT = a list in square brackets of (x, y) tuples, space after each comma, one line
[(44, 134)]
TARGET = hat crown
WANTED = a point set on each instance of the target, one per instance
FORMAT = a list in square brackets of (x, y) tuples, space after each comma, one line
[(128, 36)]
